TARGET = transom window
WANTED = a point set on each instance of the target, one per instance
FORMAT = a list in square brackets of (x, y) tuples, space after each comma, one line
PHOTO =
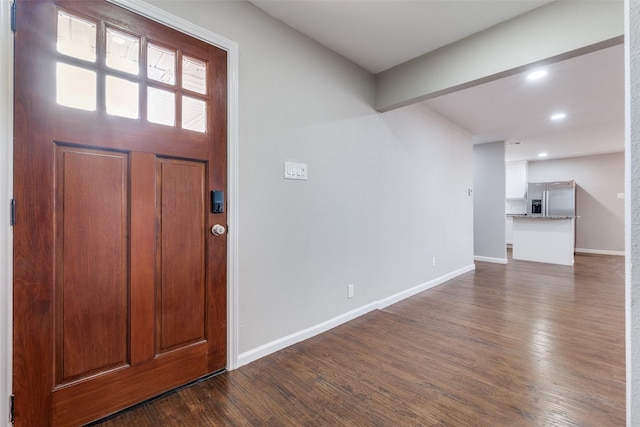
[(106, 69)]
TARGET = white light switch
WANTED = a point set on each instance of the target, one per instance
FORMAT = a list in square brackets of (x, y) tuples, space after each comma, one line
[(295, 171)]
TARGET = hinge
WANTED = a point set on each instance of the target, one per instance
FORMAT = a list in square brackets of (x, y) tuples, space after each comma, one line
[(13, 212), (13, 16), (11, 414)]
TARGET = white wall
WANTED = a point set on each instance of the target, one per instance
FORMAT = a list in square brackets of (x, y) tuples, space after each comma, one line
[(386, 193), (488, 202), (632, 170), (599, 180)]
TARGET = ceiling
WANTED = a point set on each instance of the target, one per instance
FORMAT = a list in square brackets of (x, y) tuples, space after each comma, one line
[(589, 89), (379, 34)]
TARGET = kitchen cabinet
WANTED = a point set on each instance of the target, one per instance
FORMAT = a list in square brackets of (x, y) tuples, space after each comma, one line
[(544, 239), (516, 180)]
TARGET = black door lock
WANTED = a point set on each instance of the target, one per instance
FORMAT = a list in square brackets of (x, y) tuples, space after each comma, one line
[(217, 202)]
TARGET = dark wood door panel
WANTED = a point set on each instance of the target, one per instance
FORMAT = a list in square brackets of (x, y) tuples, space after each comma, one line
[(91, 261), (181, 288)]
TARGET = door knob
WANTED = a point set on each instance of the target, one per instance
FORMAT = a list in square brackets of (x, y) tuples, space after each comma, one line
[(218, 230)]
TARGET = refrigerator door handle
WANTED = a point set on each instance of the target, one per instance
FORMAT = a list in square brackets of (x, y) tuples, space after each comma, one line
[(545, 207)]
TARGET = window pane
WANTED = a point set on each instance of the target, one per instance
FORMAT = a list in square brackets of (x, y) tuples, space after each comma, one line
[(161, 106), (123, 51), (75, 87), (76, 37), (194, 75), (194, 114), (122, 97), (161, 64)]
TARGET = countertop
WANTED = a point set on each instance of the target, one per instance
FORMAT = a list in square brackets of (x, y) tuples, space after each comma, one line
[(525, 216)]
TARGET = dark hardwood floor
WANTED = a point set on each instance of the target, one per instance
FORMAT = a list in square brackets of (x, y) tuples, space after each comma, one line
[(524, 344)]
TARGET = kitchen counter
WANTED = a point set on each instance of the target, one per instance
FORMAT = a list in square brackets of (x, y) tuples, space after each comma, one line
[(544, 239), (525, 216)]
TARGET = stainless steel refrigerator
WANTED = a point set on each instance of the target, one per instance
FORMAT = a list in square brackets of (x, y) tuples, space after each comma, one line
[(551, 198)]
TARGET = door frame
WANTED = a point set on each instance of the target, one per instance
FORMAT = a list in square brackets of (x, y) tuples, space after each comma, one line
[(6, 180)]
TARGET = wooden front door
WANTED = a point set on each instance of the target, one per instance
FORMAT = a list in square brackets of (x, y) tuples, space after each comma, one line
[(119, 284)]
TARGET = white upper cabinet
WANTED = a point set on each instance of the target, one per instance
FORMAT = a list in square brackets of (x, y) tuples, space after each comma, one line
[(516, 180)]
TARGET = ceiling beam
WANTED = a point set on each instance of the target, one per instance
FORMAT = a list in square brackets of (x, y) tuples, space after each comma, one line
[(554, 32)]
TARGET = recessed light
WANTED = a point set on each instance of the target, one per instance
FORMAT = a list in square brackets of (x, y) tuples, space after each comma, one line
[(542, 154), (558, 116), (537, 75)]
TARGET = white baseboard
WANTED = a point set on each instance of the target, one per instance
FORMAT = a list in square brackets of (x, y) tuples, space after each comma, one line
[(599, 252), (386, 302), (296, 337), (489, 259), (284, 342)]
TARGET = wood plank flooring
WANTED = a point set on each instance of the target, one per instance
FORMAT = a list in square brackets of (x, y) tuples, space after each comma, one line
[(523, 344)]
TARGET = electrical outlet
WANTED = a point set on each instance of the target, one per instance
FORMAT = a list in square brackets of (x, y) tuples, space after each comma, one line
[(350, 291), (433, 262)]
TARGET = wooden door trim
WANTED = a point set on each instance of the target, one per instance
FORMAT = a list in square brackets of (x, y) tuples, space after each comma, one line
[(151, 12)]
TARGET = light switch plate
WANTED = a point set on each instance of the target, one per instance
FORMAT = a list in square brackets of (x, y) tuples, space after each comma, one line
[(296, 171)]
